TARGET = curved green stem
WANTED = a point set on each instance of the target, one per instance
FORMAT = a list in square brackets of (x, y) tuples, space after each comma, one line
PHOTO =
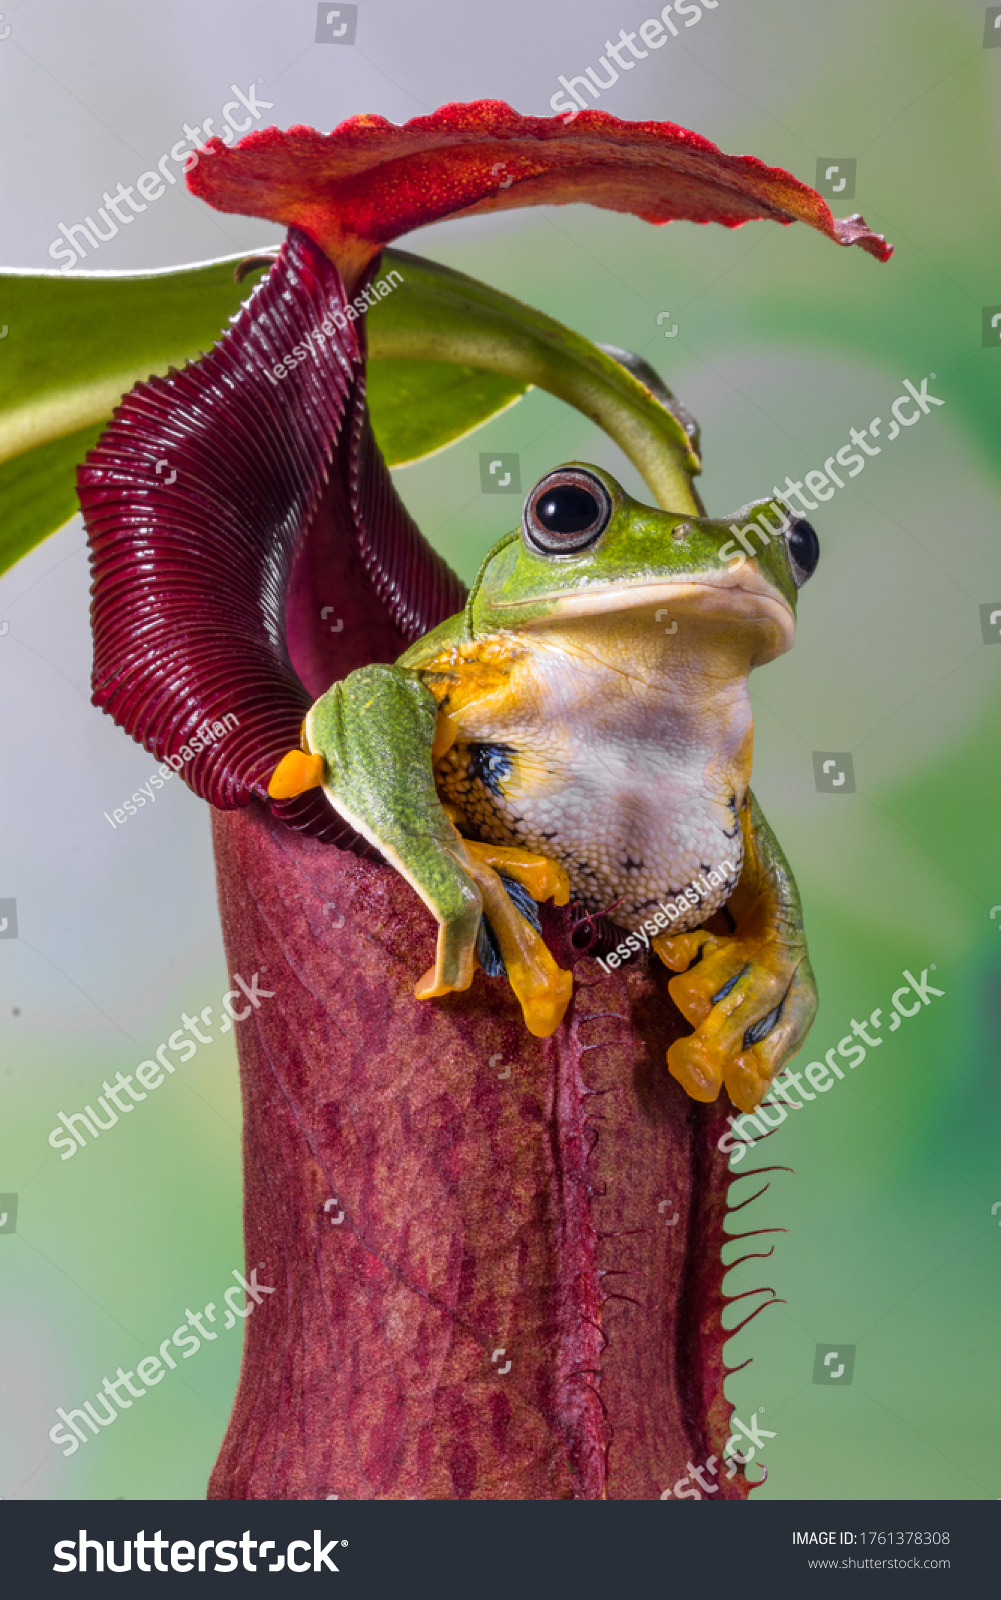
[(440, 315)]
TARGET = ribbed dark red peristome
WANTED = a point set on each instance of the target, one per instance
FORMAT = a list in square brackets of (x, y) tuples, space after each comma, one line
[(195, 499), (271, 504)]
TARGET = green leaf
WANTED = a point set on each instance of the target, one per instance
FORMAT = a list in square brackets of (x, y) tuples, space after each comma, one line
[(38, 492), (75, 344), (418, 407), (445, 354)]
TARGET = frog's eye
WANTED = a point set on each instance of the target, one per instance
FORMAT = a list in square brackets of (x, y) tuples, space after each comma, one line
[(565, 512), (804, 550)]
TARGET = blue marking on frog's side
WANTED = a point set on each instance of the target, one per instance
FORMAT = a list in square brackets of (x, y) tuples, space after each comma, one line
[(491, 763)]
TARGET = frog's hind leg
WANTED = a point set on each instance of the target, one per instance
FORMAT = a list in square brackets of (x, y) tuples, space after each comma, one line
[(751, 998)]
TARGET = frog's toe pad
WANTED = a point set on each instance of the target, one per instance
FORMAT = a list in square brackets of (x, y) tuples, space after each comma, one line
[(747, 1080), (751, 1002), (294, 774), (543, 990), (712, 1056), (679, 950), (455, 958), (692, 1064), (430, 987)]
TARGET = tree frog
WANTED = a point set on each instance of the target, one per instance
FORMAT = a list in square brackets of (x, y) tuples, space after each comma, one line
[(584, 728)]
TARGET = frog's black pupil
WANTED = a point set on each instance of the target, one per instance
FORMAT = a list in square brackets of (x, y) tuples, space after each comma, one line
[(567, 509), (804, 546)]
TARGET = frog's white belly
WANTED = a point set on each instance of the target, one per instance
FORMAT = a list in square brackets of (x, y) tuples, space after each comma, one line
[(633, 790)]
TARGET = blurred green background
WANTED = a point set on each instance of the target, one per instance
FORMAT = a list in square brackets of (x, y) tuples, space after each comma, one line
[(784, 343)]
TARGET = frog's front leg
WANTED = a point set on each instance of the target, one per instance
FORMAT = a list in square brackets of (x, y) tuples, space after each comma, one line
[(752, 997), (542, 987), (370, 740)]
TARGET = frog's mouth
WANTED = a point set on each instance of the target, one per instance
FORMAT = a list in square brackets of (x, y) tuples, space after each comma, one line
[(743, 600)]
